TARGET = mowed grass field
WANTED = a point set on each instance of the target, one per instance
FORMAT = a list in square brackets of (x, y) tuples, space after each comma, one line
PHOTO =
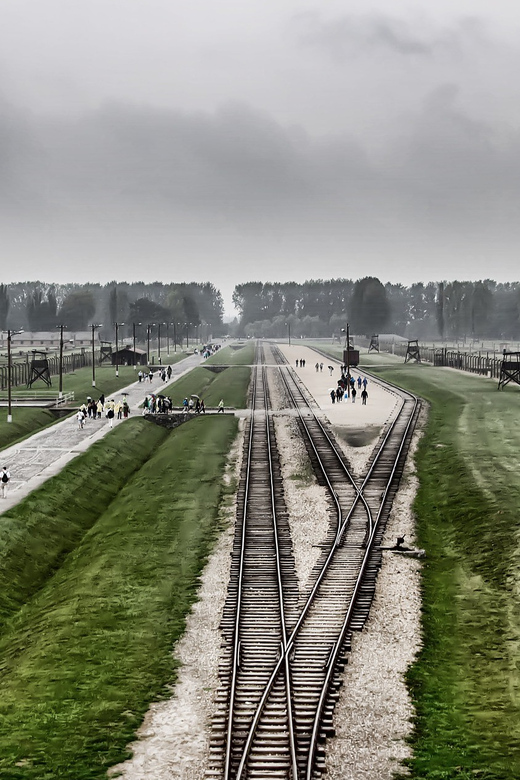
[(466, 681), (98, 569)]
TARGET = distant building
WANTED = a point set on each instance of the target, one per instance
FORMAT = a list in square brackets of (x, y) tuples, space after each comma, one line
[(126, 357), (49, 339)]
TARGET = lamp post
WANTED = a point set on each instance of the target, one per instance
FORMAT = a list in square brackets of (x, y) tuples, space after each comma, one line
[(10, 334), (187, 335), (117, 326), (289, 331), (60, 387), (133, 341), (93, 327), (175, 337), (148, 343), (159, 341), (347, 350)]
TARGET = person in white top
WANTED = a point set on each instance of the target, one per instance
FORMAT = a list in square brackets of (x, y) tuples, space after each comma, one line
[(4, 479)]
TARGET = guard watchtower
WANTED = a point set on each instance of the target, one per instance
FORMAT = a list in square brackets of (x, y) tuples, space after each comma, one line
[(105, 351), (412, 351), (510, 369), (374, 343), (39, 369)]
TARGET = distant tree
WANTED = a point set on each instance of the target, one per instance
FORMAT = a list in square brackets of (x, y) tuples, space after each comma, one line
[(77, 310), (41, 309), (247, 299), (146, 312), (112, 304), (439, 310), (481, 309), (398, 299), (370, 309), (4, 305)]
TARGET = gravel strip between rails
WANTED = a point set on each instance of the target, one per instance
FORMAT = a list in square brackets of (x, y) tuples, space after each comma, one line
[(372, 716)]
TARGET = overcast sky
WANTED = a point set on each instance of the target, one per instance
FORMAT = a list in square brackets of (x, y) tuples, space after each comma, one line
[(274, 140)]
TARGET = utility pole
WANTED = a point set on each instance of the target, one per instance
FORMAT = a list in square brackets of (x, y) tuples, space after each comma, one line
[(9, 410), (133, 340), (347, 350), (117, 324), (94, 354), (60, 388)]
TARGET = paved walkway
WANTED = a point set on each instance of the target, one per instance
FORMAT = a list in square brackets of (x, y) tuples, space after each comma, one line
[(44, 454)]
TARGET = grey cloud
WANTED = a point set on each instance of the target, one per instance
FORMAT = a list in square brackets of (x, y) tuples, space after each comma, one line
[(347, 36), (160, 182)]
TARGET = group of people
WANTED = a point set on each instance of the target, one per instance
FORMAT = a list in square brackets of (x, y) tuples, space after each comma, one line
[(165, 373), (347, 387), (161, 404), (194, 404), (96, 410)]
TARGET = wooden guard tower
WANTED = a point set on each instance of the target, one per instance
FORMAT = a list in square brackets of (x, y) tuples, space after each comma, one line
[(412, 352), (39, 369), (374, 343), (510, 369), (105, 351)]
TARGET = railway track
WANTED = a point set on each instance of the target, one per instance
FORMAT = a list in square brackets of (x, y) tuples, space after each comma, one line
[(284, 651)]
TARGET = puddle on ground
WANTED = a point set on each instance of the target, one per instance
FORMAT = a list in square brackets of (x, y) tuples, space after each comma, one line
[(357, 437)]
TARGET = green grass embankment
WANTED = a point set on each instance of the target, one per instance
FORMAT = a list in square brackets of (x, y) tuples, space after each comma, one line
[(242, 354), (231, 385), (38, 533), (25, 423), (83, 658), (466, 681)]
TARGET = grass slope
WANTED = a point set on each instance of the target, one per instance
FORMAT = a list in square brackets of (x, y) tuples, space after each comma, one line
[(230, 385), (25, 423), (242, 355), (466, 681), (39, 532), (84, 657)]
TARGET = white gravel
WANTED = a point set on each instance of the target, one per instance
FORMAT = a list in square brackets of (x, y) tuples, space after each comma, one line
[(372, 716)]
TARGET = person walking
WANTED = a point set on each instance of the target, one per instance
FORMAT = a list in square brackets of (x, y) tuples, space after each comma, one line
[(353, 392), (364, 396), (321, 366), (221, 406), (110, 413), (6, 476), (333, 396), (80, 417)]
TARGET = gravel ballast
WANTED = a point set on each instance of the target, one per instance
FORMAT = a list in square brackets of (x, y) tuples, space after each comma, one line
[(372, 716)]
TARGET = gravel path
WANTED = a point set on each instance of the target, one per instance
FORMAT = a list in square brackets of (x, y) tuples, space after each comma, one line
[(44, 454), (373, 720)]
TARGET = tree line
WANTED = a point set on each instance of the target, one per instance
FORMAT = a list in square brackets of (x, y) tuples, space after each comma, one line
[(435, 310), (38, 306)]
